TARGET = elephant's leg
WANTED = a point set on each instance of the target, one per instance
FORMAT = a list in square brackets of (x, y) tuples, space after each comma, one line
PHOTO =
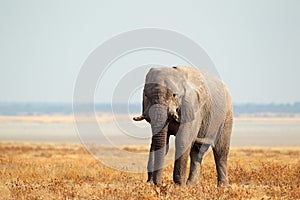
[(196, 155), (150, 166), (184, 139), (183, 143), (221, 150), (179, 173)]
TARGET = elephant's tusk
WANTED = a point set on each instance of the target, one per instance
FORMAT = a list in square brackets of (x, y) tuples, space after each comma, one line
[(139, 118)]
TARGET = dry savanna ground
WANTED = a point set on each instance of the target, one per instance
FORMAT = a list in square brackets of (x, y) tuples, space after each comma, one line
[(68, 171)]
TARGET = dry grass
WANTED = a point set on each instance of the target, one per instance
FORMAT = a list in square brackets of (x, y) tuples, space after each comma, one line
[(67, 171)]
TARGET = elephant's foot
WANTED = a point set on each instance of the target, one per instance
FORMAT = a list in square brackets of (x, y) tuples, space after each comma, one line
[(194, 176), (149, 180), (223, 183), (179, 181), (157, 177), (181, 184), (193, 182), (157, 182), (150, 177)]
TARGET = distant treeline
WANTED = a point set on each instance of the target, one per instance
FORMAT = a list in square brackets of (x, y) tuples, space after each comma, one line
[(249, 109), (283, 110), (12, 109)]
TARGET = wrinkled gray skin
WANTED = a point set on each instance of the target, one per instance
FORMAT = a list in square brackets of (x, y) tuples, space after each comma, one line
[(195, 107)]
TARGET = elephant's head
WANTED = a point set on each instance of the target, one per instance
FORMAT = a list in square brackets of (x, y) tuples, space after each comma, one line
[(165, 98)]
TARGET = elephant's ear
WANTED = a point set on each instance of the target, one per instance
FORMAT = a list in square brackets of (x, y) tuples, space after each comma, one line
[(187, 109), (146, 103), (145, 110)]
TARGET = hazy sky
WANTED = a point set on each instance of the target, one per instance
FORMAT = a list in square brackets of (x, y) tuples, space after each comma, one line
[(254, 44)]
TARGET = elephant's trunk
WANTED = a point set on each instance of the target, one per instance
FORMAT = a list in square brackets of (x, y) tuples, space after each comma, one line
[(159, 124), (159, 141)]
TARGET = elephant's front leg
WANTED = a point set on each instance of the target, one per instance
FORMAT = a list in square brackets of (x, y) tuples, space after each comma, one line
[(179, 173), (182, 150)]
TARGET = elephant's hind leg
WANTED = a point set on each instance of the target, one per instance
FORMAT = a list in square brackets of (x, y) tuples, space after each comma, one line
[(221, 150), (196, 155)]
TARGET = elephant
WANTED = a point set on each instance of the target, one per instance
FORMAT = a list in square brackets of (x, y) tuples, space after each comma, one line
[(196, 108)]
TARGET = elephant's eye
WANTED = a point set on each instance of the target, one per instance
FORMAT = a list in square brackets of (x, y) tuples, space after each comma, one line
[(174, 94)]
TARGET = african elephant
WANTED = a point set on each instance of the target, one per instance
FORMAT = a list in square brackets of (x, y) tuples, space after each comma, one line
[(196, 108)]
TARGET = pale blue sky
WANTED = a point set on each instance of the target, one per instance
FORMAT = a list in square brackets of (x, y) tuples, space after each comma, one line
[(254, 44)]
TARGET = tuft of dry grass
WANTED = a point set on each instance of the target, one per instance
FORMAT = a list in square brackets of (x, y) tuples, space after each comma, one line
[(68, 171)]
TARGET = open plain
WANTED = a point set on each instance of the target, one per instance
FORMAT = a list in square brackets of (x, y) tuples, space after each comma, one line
[(69, 171)]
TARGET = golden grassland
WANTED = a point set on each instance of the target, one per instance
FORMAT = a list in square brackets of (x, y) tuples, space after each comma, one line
[(68, 171)]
